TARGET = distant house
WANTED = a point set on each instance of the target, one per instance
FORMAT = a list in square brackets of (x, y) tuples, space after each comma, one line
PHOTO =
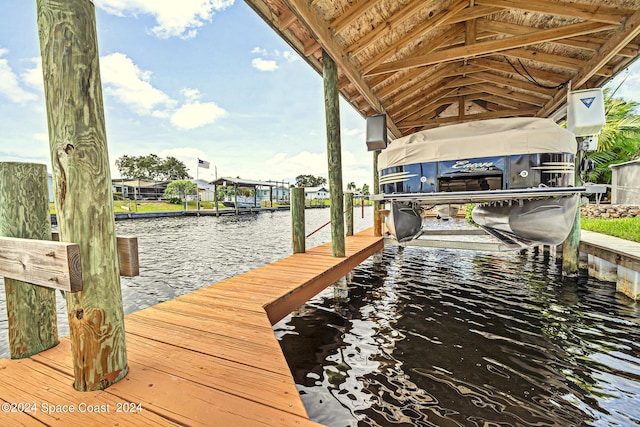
[(316, 193), (205, 190), (625, 183), (139, 189)]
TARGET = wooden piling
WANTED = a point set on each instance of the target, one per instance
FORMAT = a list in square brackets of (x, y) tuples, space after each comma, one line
[(297, 220), (24, 213), (377, 217), (348, 207), (571, 249), (82, 187), (332, 112)]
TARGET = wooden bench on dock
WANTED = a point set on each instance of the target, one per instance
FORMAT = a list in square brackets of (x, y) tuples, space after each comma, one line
[(206, 358)]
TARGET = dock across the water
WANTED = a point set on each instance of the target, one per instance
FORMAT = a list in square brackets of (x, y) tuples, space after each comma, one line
[(207, 358)]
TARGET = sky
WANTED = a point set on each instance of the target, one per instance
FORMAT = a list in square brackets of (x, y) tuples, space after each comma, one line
[(192, 79)]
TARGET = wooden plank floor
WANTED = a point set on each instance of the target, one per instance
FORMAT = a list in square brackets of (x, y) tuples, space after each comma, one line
[(208, 358)]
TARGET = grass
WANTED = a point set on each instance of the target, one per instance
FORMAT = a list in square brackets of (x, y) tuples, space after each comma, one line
[(624, 228)]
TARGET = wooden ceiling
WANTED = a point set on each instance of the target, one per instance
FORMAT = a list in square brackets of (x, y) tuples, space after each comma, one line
[(427, 63)]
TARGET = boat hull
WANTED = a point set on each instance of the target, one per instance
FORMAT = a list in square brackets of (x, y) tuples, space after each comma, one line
[(544, 221), (402, 221)]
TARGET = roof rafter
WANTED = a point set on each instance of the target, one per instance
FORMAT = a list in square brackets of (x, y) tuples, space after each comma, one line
[(603, 14), (490, 47)]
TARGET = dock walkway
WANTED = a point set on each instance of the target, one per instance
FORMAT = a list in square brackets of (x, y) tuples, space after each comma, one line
[(207, 358), (612, 249)]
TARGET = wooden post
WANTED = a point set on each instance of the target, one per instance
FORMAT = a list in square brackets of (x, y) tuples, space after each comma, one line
[(571, 249), (571, 245), (348, 207), (82, 188), (297, 220), (332, 112), (377, 217), (24, 213)]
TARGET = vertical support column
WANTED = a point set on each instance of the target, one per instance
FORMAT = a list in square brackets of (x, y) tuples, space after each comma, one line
[(24, 213), (571, 249), (332, 111), (215, 199), (348, 207), (297, 220), (377, 216), (82, 182)]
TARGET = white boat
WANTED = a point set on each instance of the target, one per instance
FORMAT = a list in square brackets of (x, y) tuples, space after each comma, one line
[(519, 171), (242, 201)]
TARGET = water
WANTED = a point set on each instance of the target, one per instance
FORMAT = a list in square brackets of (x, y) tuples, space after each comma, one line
[(425, 336), (432, 337)]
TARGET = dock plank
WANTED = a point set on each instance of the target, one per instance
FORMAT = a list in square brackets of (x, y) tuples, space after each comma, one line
[(207, 357)]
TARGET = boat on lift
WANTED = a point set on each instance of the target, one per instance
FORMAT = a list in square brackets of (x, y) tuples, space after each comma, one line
[(520, 173)]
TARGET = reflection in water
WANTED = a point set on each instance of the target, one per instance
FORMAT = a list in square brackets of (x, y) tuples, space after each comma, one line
[(457, 338)]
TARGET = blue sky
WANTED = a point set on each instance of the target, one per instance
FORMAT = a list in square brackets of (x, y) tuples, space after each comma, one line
[(191, 79)]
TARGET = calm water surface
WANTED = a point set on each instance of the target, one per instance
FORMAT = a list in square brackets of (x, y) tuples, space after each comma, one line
[(421, 336)]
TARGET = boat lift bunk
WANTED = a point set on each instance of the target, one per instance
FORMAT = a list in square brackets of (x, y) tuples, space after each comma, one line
[(520, 173)]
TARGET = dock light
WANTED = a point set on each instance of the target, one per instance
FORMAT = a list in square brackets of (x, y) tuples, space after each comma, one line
[(377, 132)]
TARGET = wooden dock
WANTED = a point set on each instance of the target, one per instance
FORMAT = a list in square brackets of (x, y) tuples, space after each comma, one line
[(207, 358)]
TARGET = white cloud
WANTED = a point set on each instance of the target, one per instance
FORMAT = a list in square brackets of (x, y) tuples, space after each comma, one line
[(269, 61), (9, 85), (33, 76), (191, 94), (354, 169), (627, 83), (304, 162), (195, 114), (174, 18), (264, 64), (290, 56), (122, 79)]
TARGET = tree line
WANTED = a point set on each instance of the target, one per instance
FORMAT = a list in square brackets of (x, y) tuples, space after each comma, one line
[(151, 167)]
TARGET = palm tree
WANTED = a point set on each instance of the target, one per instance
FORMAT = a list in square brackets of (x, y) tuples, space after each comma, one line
[(619, 140)]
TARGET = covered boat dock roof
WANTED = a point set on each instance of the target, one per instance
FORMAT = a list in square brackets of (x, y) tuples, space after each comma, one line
[(243, 183), (430, 63)]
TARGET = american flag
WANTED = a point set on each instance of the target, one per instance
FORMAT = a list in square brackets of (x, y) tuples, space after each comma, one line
[(203, 164)]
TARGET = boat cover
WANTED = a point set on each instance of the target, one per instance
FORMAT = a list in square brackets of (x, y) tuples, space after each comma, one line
[(483, 138)]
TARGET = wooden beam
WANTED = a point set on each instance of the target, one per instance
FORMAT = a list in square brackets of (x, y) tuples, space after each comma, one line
[(434, 44), (41, 262), (536, 90), (491, 47), (590, 43), (354, 12), (286, 19), (386, 27), (554, 60), (504, 67), (470, 28), (595, 12), (127, 254), (417, 32), (510, 93), (471, 117)]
